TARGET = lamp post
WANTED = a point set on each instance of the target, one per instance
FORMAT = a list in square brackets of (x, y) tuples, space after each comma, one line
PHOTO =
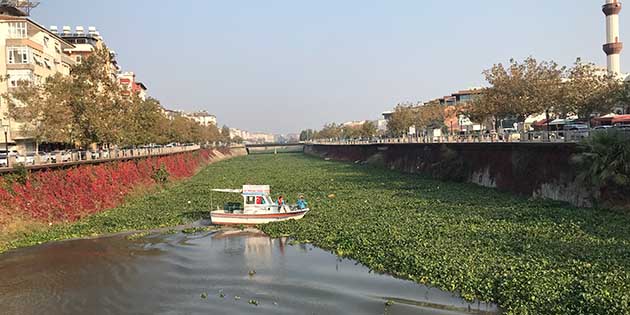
[(6, 140), (548, 129)]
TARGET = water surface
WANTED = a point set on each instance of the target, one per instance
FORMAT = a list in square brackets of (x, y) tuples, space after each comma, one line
[(225, 272)]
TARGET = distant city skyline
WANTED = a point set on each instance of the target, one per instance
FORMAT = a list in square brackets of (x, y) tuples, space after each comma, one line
[(283, 66)]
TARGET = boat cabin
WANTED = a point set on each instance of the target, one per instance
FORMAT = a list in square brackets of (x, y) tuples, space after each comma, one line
[(257, 197)]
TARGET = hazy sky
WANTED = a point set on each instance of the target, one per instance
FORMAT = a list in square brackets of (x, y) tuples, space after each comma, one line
[(286, 65)]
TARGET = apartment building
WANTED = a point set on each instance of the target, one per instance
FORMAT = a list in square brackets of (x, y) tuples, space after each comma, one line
[(131, 86), (85, 43), (28, 52), (203, 118)]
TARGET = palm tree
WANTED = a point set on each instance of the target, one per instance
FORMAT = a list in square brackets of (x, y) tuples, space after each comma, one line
[(604, 164)]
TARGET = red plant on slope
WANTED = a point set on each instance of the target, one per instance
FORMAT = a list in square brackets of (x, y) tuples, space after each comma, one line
[(68, 195)]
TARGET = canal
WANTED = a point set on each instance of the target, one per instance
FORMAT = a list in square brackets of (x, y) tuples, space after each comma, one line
[(220, 272)]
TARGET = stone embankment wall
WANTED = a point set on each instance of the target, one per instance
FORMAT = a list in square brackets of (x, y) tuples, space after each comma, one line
[(538, 170)]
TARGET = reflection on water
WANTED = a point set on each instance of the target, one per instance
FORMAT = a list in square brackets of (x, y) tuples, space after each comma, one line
[(172, 274)]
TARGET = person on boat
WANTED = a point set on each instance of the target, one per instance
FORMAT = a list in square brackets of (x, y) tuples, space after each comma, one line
[(301, 203), (280, 202)]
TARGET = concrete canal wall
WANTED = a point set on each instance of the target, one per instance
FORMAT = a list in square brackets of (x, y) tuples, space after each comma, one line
[(538, 170)]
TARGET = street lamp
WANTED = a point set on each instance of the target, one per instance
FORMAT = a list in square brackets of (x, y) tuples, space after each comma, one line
[(548, 129), (6, 140)]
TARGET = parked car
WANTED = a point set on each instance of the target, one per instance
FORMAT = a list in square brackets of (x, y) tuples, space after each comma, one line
[(4, 161), (575, 131), (509, 134), (44, 157), (29, 158), (65, 156)]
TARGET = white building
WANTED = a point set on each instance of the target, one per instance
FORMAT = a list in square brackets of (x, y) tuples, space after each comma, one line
[(29, 52), (203, 118)]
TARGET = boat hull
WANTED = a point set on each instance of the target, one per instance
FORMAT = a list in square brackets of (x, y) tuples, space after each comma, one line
[(223, 218)]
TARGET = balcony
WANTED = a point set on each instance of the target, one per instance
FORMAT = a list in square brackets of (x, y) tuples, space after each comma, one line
[(611, 8), (25, 42), (613, 48), (20, 66)]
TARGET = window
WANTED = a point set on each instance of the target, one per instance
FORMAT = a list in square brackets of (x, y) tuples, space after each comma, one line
[(47, 63), (38, 60), (46, 40), (79, 58), (250, 200), (260, 200), (17, 79), (18, 55), (17, 30)]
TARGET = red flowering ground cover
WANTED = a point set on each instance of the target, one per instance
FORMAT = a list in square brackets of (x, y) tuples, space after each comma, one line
[(66, 195)]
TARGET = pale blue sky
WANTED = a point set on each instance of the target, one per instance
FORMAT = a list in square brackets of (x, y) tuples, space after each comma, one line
[(286, 65)]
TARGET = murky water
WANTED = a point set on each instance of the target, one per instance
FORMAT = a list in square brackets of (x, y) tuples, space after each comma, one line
[(171, 274)]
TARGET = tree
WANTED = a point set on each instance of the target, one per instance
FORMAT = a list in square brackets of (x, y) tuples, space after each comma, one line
[(330, 131), (307, 135), (225, 135), (98, 108), (603, 165), (402, 118), (589, 90), (430, 116), (368, 129), (211, 134), (237, 139), (518, 90), (146, 123), (43, 110)]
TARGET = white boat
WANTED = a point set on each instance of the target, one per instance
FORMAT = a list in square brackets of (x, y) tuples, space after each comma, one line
[(258, 208)]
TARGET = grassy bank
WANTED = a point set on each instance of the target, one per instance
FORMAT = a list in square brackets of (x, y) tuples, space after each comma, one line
[(529, 257)]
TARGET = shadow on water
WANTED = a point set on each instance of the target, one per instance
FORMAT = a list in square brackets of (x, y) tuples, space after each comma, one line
[(230, 271)]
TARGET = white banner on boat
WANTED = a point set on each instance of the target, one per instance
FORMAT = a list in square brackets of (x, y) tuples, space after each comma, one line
[(256, 189)]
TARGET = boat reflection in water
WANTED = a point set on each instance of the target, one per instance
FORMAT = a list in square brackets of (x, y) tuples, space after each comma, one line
[(234, 270)]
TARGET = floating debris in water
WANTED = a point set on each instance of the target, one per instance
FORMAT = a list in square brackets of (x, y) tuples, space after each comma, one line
[(253, 302), (237, 298), (252, 273), (137, 236), (389, 303), (204, 295)]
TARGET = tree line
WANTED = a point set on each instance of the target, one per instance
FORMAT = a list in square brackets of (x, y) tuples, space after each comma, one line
[(530, 87), (365, 130), (89, 107), (515, 90)]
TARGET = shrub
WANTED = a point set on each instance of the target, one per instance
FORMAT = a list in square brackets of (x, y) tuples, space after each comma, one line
[(19, 175), (68, 195), (161, 175), (604, 165)]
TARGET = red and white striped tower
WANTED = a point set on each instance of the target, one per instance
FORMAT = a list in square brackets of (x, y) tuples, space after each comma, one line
[(613, 46)]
